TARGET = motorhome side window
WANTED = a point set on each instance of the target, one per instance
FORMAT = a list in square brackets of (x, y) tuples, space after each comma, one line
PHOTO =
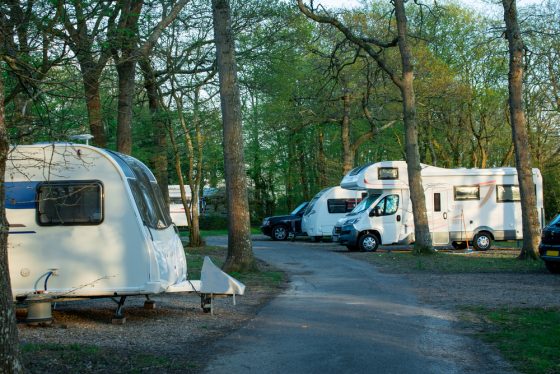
[(507, 193), (388, 173), (70, 203), (341, 205), (389, 205), (466, 192)]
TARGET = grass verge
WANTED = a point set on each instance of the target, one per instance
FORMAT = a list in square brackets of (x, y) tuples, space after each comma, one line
[(529, 338), (449, 262)]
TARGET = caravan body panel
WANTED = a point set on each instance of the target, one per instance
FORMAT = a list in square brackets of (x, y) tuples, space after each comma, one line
[(109, 250)]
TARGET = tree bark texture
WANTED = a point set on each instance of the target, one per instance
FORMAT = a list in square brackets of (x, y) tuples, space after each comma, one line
[(240, 251), (529, 213), (348, 152), (93, 104), (423, 239), (9, 346)]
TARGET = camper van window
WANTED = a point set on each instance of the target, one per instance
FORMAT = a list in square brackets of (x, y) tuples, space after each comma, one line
[(389, 205), (70, 203), (388, 173), (466, 192), (365, 204), (507, 193), (341, 205)]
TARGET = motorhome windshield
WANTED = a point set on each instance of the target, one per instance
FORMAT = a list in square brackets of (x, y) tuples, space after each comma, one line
[(364, 204), (300, 207), (313, 201)]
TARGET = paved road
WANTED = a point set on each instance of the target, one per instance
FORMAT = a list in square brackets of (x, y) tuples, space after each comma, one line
[(341, 315)]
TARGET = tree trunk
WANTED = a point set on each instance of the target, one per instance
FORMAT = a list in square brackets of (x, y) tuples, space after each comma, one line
[(321, 161), (93, 104), (9, 346), (159, 138), (348, 152), (529, 214), (240, 251), (126, 73), (423, 239)]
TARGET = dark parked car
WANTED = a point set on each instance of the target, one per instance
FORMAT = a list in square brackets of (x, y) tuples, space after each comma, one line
[(280, 227), (549, 248)]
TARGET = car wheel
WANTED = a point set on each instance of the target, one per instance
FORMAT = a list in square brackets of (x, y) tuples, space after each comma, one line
[(459, 245), (553, 266), (279, 232), (352, 248), (368, 243), (482, 241), (316, 239)]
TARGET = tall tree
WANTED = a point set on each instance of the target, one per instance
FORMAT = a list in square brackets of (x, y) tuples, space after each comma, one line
[(9, 347), (529, 213), (405, 83), (240, 251)]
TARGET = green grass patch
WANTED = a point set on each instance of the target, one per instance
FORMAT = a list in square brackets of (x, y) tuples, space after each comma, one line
[(79, 358), (529, 338), (447, 262)]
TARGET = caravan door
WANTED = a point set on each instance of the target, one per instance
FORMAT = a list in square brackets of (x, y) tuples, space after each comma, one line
[(438, 215)]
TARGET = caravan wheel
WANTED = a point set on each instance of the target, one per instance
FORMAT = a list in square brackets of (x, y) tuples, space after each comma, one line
[(482, 241), (368, 243)]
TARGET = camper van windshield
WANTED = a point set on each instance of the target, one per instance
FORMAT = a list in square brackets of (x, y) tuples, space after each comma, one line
[(364, 204), (313, 201)]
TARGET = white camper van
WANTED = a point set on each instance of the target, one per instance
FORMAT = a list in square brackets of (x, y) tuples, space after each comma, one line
[(326, 208), (478, 205), (88, 222), (176, 208)]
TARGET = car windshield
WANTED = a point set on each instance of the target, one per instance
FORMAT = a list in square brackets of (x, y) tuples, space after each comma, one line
[(555, 221), (299, 208), (364, 204)]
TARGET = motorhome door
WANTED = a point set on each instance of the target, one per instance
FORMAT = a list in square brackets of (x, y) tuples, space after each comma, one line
[(438, 214), (389, 211)]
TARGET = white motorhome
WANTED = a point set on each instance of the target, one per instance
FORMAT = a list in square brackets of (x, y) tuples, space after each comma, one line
[(463, 205), (326, 208), (176, 208), (88, 222)]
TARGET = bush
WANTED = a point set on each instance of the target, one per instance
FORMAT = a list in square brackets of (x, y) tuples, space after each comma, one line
[(213, 222)]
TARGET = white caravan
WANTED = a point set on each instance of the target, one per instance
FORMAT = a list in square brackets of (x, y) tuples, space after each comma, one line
[(88, 222), (176, 208), (478, 205), (326, 208)]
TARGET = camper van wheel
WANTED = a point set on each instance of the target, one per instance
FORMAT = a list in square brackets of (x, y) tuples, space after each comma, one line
[(279, 232), (482, 241), (368, 243)]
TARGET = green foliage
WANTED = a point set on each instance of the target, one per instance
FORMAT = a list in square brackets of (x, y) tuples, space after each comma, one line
[(213, 222), (527, 337)]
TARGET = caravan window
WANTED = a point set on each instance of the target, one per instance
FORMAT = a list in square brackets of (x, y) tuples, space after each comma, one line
[(70, 203), (507, 193), (341, 205), (388, 173), (466, 192), (313, 201)]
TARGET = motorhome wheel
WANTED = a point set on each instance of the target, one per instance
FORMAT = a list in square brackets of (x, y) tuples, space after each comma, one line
[(553, 267), (482, 241), (279, 232), (368, 243)]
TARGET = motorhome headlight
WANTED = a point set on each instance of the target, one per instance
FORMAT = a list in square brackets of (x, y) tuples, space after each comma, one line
[(351, 221)]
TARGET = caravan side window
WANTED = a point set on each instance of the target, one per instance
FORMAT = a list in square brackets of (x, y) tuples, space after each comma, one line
[(466, 192), (341, 205), (70, 203), (507, 194)]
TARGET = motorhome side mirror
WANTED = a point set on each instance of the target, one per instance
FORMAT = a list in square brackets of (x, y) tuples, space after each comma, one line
[(375, 212)]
